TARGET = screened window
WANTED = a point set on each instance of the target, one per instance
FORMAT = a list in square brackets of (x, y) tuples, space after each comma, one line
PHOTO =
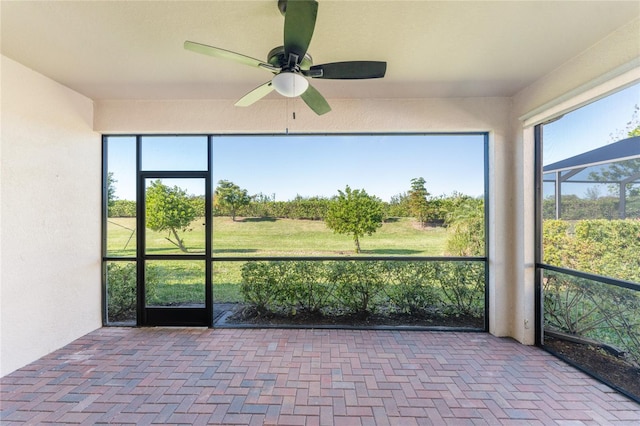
[(589, 263), (200, 230), (273, 194), (591, 188)]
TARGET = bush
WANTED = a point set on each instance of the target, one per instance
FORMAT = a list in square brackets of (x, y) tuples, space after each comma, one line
[(462, 284), (260, 284), (364, 287), (602, 247), (588, 308), (358, 285), (122, 208), (121, 290), (594, 310), (304, 286), (413, 287), (287, 286)]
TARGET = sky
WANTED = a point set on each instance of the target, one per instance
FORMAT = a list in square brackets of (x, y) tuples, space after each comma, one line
[(285, 166), (291, 165), (595, 125), (591, 126)]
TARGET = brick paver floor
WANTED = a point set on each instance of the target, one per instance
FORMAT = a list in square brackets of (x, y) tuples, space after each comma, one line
[(305, 377)]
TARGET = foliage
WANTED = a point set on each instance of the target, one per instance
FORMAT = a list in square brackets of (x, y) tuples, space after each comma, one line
[(316, 207), (576, 208), (609, 247), (169, 209), (466, 228), (412, 286), (358, 285), (111, 190), (619, 171), (603, 247), (463, 287), (122, 208), (398, 206), (365, 287), (631, 129), (418, 200), (356, 213), (594, 310), (260, 284), (229, 197), (198, 204), (259, 206), (588, 308), (121, 290), (305, 286)]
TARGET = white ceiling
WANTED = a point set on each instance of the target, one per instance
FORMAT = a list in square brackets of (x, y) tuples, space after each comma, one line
[(133, 49)]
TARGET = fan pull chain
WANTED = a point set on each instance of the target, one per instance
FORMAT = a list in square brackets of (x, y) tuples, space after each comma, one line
[(287, 115), (292, 115)]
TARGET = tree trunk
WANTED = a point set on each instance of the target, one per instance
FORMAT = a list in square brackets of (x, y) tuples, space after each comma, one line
[(179, 242), (357, 241)]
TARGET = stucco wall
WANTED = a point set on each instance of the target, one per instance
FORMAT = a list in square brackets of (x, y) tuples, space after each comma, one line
[(50, 217)]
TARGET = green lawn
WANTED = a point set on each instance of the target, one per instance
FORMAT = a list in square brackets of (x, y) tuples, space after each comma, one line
[(182, 281), (282, 237), (290, 237)]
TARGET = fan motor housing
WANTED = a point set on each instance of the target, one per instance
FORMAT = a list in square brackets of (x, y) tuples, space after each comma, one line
[(277, 58)]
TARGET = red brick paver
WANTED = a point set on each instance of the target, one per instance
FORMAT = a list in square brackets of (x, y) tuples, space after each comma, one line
[(304, 377)]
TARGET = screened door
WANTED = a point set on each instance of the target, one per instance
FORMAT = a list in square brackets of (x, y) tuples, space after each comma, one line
[(173, 248)]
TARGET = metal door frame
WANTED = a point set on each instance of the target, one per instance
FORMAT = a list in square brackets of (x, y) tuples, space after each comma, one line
[(172, 316)]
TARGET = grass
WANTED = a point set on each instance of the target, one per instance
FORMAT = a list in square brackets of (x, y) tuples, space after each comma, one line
[(182, 281), (281, 237)]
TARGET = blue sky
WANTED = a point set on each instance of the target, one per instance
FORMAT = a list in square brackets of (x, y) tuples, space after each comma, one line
[(591, 126), (290, 165), (597, 124), (321, 165), (383, 165)]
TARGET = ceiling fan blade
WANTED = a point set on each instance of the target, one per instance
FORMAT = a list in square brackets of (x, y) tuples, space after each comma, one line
[(299, 23), (352, 70), (256, 94), (216, 52), (315, 101)]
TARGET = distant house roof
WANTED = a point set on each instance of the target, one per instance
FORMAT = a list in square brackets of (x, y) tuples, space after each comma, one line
[(622, 150)]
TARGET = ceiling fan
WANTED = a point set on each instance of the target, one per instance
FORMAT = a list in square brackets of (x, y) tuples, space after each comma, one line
[(291, 63)]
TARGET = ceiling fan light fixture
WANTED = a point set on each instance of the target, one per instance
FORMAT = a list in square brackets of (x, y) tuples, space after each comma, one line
[(290, 84)]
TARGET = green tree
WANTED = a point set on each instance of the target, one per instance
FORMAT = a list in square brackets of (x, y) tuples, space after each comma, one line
[(230, 197), (111, 191), (169, 209), (356, 213), (418, 202), (399, 205), (466, 228)]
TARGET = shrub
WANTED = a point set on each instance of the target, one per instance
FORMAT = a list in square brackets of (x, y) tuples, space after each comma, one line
[(462, 284), (121, 290), (603, 247), (587, 308), (363, 287), (412, 286), (122, 208), (260, 284), (305, 286), (358, 285), (597, 311)]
